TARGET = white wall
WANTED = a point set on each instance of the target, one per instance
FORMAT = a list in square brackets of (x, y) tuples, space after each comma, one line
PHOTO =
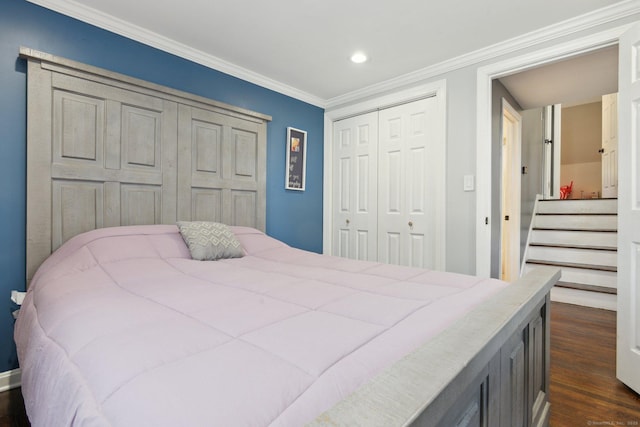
[(586, 177), (461, 160)]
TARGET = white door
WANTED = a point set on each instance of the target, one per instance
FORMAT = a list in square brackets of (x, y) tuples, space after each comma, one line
[(551, 154), (547, 189), (628, 335), (609, 149), (355, 142), (408, 184), (510, 206)]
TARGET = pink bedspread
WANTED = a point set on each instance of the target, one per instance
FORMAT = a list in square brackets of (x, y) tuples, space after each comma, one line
[(121, 328)]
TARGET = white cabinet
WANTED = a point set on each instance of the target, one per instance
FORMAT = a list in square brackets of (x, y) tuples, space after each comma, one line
[(388, 170)]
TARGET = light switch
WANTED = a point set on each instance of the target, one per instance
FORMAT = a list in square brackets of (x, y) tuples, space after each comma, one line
[(469, 184)]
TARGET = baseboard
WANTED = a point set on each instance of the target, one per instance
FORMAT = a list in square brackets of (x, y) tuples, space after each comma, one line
[(585, 298), (10, 379)]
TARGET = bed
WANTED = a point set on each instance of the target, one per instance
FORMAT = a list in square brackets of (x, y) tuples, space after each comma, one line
[(122, 326), (276, 337)]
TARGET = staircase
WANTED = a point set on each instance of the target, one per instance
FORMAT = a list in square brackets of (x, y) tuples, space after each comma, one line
[(579, 237)]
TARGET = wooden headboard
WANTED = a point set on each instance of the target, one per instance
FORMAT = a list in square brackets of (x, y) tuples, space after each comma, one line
[(104, 150)]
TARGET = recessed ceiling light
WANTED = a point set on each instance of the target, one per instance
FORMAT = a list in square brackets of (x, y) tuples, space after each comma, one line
[(358, 58)]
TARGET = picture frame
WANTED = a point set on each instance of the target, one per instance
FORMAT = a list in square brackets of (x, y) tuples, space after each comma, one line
[(296, 165)]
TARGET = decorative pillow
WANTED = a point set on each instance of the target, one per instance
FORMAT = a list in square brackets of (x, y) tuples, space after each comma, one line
[(210, 240)]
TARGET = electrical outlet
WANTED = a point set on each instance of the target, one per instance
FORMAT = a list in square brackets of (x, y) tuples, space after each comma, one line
[(17, 297)]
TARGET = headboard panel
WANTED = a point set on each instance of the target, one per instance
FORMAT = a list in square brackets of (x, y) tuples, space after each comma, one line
[(105, 149)]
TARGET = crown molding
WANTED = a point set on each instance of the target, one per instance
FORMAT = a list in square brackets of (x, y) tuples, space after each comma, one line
[(568, 27), (118, 26), (561, 29)]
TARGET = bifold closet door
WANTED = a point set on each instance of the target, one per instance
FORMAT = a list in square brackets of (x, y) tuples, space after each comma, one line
[(355, 171), (408, 168)]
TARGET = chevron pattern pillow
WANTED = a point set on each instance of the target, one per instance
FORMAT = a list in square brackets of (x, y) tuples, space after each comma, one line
[(210, 241)]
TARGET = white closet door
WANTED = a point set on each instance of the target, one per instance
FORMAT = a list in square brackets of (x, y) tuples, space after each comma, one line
[(408, 176), (354, 187)]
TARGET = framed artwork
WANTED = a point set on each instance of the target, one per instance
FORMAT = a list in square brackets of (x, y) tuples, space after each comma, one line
[(296, 159)]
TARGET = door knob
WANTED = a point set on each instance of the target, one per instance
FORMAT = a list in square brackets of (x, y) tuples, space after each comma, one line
[(347, 221), (411, 224), (506, 217), (601, 150)]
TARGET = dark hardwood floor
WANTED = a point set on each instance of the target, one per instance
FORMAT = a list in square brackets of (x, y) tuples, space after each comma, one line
[(12, 412), (584, 390)]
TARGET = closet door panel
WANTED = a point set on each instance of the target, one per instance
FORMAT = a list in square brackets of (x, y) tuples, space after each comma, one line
[(420, 184), (363, 189), (345, 186), (391, 189), (342, 243), (392, 243), (342, 207), (392, 186), (408, 176), (355, 187), (363, 242), (416, 164), (390, 216), (416, 253)]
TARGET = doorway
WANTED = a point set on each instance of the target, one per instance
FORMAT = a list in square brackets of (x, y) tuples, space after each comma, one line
[(535, 73), (628, 219)]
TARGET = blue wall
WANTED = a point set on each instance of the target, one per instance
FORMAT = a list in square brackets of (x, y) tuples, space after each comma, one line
[(25, 24)]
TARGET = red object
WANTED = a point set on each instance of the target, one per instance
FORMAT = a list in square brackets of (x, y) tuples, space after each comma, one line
[(565, 191)]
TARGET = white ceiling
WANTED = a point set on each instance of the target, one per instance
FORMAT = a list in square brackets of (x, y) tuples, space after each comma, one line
[(579, 80), (305, 45)]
